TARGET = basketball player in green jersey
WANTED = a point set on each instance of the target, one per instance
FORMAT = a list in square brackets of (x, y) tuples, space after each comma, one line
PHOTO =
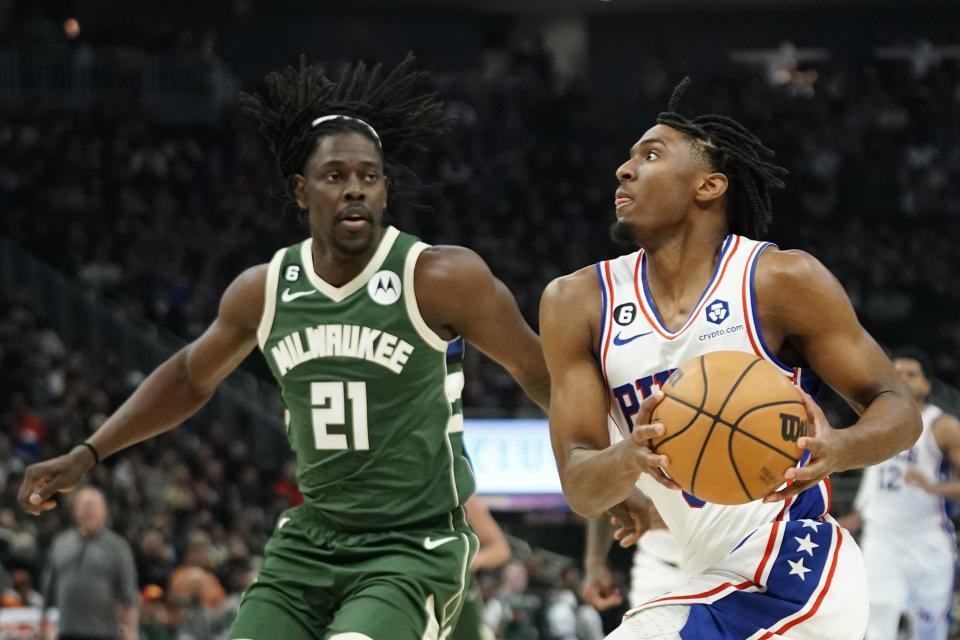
[(363, 327)]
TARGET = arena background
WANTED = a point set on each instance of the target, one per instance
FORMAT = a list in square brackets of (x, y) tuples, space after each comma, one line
[(132, 190)]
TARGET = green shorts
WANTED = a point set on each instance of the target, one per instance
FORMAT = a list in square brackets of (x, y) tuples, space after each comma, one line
[(321, 583)]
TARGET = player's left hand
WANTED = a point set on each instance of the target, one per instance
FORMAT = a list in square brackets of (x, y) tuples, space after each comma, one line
[(826, 453), (632, 518)]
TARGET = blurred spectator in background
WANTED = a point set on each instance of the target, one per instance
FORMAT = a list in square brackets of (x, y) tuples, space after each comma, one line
[(569, 617), (513, 613), (90, 576), (22, 591)]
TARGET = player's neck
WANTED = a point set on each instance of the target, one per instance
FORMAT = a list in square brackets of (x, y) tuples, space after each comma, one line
[(336, 267), (680, 267)]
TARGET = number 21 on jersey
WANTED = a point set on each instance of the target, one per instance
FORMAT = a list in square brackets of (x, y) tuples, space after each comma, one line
[(327, 399)]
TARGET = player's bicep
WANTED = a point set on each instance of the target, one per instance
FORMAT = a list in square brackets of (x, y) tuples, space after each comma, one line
[(232, 335), (457, 293), (578, 404), (494, 325), (816, 316)]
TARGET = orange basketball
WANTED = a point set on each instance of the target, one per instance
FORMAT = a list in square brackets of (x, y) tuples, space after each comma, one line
[(731, 424)]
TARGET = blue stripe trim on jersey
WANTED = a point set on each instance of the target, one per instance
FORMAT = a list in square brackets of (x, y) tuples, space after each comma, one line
[(753, 310), (713, 280), (741, 614), (603, 316), (810, 503), (455, 347), (809, 381)]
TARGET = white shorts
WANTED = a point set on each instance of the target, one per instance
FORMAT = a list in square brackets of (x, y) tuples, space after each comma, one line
[(651, 577), (909, 573), (801, 579)]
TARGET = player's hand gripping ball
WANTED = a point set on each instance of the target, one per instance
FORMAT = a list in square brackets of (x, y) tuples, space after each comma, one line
[(731, 422)]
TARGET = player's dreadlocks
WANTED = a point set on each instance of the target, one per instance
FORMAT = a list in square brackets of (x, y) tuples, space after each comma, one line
[(399, 117), (734, 151)]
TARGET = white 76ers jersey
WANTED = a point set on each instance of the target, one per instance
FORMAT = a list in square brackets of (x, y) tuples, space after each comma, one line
[(888, 504), (638, 354)]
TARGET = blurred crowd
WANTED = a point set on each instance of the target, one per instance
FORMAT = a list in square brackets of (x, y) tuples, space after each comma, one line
[(160, 219), (192, 504)]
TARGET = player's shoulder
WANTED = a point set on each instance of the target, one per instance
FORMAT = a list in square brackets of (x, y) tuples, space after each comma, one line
[(793, 277), (250, 283), (450, 257), (947, 421), (788, 265), (243, 301), (576, 288), (946, 431), (444, 264)]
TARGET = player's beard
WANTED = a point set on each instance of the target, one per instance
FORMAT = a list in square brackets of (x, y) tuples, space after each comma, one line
[(353, 249), (624, 233)]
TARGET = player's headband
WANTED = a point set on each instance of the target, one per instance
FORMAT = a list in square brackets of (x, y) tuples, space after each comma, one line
[(323, 119)]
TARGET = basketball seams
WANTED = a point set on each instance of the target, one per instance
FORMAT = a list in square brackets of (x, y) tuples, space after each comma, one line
[(747, 434), (732, 426), (736, 470), (696, 450), (735, 427), (706, 440), (698, 410)]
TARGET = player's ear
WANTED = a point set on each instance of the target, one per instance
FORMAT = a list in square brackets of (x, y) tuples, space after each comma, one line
[(711, 187), (300, 190)]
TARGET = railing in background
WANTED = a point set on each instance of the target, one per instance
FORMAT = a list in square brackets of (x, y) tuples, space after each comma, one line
[(83, 319)]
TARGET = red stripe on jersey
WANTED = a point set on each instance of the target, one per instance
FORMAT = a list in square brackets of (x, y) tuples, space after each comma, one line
[(651, 318), (608, 284), (771, 543), (706, 594)]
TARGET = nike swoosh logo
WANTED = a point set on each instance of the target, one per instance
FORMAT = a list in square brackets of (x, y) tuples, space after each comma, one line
[(429, 544), (286, 296), (617, 340)]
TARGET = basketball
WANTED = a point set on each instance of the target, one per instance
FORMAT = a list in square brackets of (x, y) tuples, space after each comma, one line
[(731, 424)]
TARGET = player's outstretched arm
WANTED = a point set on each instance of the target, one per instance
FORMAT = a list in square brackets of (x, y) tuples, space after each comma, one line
[(172, 393), (946, 433), (803, 306), (595, 475), (459, 296)]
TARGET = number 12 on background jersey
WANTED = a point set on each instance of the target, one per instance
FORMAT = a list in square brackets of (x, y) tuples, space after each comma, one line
[(327, 399)]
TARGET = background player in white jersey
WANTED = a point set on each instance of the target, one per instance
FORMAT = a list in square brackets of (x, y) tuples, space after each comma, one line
[(781, 567), (909, 545)]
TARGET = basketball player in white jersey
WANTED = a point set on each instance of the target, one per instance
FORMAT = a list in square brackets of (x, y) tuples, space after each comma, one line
[(689, 195), (909, 545)]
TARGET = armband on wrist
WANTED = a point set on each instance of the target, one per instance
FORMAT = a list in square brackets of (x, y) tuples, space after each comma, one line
[(93, 450)]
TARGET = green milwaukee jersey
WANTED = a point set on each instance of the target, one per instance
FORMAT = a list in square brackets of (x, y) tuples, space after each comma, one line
[(372, 394)]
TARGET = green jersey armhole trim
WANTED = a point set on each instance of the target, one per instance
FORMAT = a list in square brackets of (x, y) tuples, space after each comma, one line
[(338, 294), (410, 299), (270, 298)]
